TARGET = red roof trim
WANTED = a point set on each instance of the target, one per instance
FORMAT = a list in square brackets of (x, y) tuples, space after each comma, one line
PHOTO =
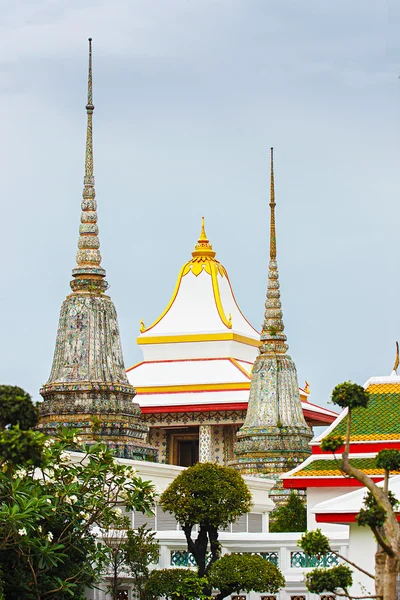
[(194, 408), (321, 417), (373, 446), (179, 360), (300, 483), (339, 517)]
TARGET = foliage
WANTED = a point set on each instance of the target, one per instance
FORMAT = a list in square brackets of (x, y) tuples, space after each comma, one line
[(350, 395), (16, 408), (374, 515), (207, 493), (131, 552), (314, 543), (176, 584), (332, 443), (388, 460), (379, 511), (48, 546), (212, 497), (244, 572), (18, 415), (21, 447), (329, 580), (290, 516)]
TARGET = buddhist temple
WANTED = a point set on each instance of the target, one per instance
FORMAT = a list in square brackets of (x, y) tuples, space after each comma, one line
[(88, 388), (194, 381), (275, 435), (372, 429)]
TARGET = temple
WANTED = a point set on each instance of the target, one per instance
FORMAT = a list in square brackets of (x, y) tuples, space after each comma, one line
[(374, 428), (194, 381), (88, 388)]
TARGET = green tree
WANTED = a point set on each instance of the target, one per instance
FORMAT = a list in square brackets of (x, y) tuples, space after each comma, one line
[(290, 516), (235, 573), (379, 512), (211, 497), (49, 548), (176, 584), (18, 416), (129, 552)]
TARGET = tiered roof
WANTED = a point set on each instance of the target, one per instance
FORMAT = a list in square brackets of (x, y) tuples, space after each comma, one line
[(372, 429), (198, 355)]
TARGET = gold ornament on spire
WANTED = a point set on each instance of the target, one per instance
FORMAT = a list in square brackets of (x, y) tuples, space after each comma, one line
[(396, 362), (203, 246), (272, 204)]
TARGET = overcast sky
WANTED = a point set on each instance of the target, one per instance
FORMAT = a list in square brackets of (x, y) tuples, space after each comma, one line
[(189, 96)]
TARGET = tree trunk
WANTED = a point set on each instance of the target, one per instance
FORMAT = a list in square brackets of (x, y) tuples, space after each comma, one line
[(390, 578), (380, 562)]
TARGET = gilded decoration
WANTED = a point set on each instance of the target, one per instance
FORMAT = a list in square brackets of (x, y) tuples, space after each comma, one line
[(88, 388), (203, 260)]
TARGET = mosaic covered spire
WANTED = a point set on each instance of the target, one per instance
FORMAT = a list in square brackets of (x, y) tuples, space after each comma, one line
[(88, 274), (88, 389), (272, 334), (275, 435)]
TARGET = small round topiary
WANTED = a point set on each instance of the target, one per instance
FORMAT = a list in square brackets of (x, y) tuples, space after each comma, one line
[(332, 443), (351, 395)]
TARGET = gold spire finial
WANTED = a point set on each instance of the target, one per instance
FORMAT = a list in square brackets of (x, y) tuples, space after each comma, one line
[(272, 240), (203, 246), (396, 362), (203, 235)]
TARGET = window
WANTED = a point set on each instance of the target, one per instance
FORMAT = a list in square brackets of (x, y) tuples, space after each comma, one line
[(297, 598), (238, 597), (268, 597), (123, 594)]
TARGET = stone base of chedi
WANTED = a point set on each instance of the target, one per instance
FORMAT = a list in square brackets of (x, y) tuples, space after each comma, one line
[(274, 438), (88, 389)]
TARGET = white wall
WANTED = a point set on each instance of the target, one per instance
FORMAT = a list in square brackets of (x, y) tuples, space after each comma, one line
[(362, 547), (319, 494)]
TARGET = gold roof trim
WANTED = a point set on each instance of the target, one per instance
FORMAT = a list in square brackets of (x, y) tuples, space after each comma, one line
[(203, 259)]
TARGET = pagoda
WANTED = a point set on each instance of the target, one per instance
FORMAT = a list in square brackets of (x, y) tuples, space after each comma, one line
[(275, 436), (194, 380), (88, 389)]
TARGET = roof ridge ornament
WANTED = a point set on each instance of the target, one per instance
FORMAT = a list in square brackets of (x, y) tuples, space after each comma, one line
[(397, 360), (272, 336), (203, 248), (89, 274)]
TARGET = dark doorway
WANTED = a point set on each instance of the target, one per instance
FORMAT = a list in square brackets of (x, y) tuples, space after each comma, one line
[(188, 452)]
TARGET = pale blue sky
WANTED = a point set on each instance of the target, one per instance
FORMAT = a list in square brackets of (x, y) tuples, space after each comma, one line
[(190, 95)]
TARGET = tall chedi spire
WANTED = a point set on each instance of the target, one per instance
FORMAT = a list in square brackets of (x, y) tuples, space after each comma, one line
[(88, 388), (274, 437)]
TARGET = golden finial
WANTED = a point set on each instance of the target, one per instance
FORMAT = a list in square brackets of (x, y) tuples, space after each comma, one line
[(272, 244), (203, 235), (142, 326), (396, 362), (203, 246), (307, 388)]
